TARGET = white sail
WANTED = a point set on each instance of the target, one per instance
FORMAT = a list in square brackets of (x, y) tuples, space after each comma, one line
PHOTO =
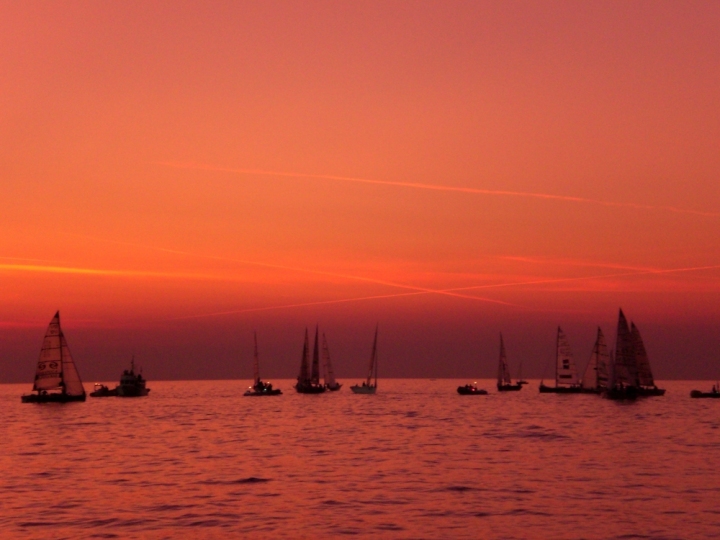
[(644, 373), (329, 375), (503, 371), (256, 362), (315, 375), (56, 369), (596, 374), (303, 377), (625, 367), (565, 370)]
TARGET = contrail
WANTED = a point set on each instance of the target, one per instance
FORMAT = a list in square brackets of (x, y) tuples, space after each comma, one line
[(48, 269), (417, 293), (415, 185), (305, 270)]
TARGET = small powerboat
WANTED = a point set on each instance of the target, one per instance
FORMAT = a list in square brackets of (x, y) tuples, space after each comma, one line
[(103, 391), (471, 390)]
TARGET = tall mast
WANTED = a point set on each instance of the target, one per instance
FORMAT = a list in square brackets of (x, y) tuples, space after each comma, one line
[(256, 363), (316, 361)]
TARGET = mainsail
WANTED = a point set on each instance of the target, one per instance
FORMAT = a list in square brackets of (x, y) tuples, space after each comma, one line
[(315, 376), (644, 373), (329, 375), (625, 373), (55, 368), (303, 377), (503, 371), (596, 374), (565, 370)]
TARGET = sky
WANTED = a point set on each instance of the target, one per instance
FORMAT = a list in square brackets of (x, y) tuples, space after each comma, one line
[(176, 175)]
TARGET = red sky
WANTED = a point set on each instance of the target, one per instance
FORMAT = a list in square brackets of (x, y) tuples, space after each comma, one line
[(174, 175)]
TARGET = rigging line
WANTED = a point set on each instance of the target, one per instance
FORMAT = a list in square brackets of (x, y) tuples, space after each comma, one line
[(457, 189)]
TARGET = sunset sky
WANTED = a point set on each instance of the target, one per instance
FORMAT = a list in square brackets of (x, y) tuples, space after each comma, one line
[(175, 175)]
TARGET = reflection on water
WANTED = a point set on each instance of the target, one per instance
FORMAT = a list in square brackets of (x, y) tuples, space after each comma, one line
[(415, 460)]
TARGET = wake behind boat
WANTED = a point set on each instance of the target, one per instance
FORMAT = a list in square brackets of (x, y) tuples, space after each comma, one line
[(56, 378), (309, 383), (566, 377), (504, 382), (260, 388), (368, 387)]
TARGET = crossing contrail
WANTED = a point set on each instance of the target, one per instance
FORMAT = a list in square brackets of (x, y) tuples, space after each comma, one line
[(433, 187)]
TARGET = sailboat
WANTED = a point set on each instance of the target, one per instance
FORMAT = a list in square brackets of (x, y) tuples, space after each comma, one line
[(504, 383), (310, 384), (622, 381), (328, 373), (520, 379), (595, 379), (566, 377), (368, 387), (56, 378), (260, 388), (645, 382), (714, 393)]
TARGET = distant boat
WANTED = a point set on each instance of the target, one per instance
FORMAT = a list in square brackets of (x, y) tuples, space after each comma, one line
[(645, 382), (566, 377), (328, 373), (714, 393), (260, 388), (622, 380), (132, 385), (595, 379), (504, 382), (309, 383), (103, 391), (56, 378), (520, 380), (471, 390), (368, 387)]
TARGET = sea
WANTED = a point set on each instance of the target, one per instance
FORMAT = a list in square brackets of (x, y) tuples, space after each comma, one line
[(196, 459)]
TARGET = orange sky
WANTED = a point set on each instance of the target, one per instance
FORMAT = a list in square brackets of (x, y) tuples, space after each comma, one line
[(175, 174)]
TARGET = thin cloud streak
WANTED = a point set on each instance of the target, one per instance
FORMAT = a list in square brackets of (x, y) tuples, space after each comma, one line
[(111, 273), (415, 185), (306, 270), (417, 293)]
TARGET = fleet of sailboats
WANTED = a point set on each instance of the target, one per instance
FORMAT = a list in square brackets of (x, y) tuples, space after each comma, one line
[(623, 373), (368, 386)]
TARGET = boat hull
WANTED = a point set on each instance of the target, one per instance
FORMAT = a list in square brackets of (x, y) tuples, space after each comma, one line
[(308, 388), (621, 394), (104, 392), (51, 398), (131, 391), (334, 387), (363, 389), (471, 391), (509, 387), (650, 392), (697, 394), (560, 389), (255, 393), (591, 390)]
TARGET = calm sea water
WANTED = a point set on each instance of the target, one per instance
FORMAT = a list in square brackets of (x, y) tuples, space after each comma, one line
[(196, 459)]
